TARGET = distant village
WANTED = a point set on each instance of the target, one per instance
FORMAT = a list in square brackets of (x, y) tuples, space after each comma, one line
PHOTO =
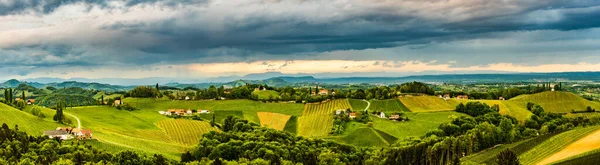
[(183, 112), (66, 133)]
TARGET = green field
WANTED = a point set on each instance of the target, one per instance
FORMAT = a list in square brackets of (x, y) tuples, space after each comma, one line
[(357, 104), (26, 121), (387, 106), (317, 119), (221, 115), (364, 137), (428, 103), (248, 107), (592, 157), (558, 102), (489, 156), (418, 125), (186, 132), (292, 125), (266, 94), (554, 145)]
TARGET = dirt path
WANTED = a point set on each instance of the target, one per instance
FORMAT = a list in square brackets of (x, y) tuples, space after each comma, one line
[(583, 145), (368, 104), (76, 118)]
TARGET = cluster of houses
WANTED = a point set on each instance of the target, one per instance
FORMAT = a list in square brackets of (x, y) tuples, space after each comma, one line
[(322, 92), (69, 133), (182, 112), (394, 116), (352, 115), (29, 101), (460, 97)]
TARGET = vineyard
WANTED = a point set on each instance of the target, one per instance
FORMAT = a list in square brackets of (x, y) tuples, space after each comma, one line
[(186, 132), (273, 120), (554, 145), (388, 106), (315, 125), (586, 144), (325, 108), (26, 122), (428, 103), (317, 119)]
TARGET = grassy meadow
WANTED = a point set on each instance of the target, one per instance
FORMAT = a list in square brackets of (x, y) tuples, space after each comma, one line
[(558, 102), (418, 125), (266, 94), (357, 104)]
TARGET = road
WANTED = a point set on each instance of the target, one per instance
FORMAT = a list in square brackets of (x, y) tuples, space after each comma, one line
[(76, 118), (368, 104)]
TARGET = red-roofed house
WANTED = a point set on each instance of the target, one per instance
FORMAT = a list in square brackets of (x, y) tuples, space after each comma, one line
[(323, 91), (352, 115), (465, 97), (84, 134), (30, 101)]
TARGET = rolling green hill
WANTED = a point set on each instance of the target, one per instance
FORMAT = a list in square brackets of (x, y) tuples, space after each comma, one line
[(558, 102), (418, 125), (26, 122), (387, 106)]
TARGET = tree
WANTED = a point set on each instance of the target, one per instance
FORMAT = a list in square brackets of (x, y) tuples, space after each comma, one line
[(23, 96), (212, 122), (59, 116), (507, 157)]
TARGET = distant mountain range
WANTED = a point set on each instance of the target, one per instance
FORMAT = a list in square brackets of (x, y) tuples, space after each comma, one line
[(279, 79)]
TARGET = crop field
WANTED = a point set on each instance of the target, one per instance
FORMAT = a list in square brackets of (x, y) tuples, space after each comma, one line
[(592, 157), (315, 125), (558, 102), (555, 144), (418, 125), (26, 122), (325, 108), (586, 144), (364, 137), (273, 120), (186, 132), (428, 103), (247, 107), (387, 106), (357, 104), (292, 125), (489, 156), (266, 94)]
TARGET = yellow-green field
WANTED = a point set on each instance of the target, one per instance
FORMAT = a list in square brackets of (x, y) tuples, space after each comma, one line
[(428, 103), (555, 144), (273, 120), (26, 121), (266, 94), (317, 119), (186, 132), (558, 102)]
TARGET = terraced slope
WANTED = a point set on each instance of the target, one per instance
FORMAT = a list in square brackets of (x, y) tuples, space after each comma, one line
[(558, 102)]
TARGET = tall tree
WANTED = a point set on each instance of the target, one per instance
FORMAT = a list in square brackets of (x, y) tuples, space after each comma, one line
[(23, 96), (507, 157), (58, 117)]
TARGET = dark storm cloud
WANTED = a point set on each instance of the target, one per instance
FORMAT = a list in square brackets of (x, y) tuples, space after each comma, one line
[(48, 6)]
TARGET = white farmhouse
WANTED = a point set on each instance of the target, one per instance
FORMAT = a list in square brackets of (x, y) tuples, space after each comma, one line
[(63, 135), (382, 115), (204, 111)]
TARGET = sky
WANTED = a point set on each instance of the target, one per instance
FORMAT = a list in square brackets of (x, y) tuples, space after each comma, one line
[(212, 38)]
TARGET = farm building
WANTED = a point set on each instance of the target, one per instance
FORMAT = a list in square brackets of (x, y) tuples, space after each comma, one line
[(339, 111), (117, 102), (30, 101), (204, 111), (501, 98), (352, 115), (189, 112), (323, 92), (163, 112), (446, 96), (381, 115), (17, 99), (61, 134), (395, 116), (175, 112), (83, 134), (465, 97), (187, 97)]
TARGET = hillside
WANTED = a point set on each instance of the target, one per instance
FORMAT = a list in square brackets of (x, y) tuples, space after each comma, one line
[(26, 122), (428, 103), (554, 145), (558, 102), (387, 106)]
